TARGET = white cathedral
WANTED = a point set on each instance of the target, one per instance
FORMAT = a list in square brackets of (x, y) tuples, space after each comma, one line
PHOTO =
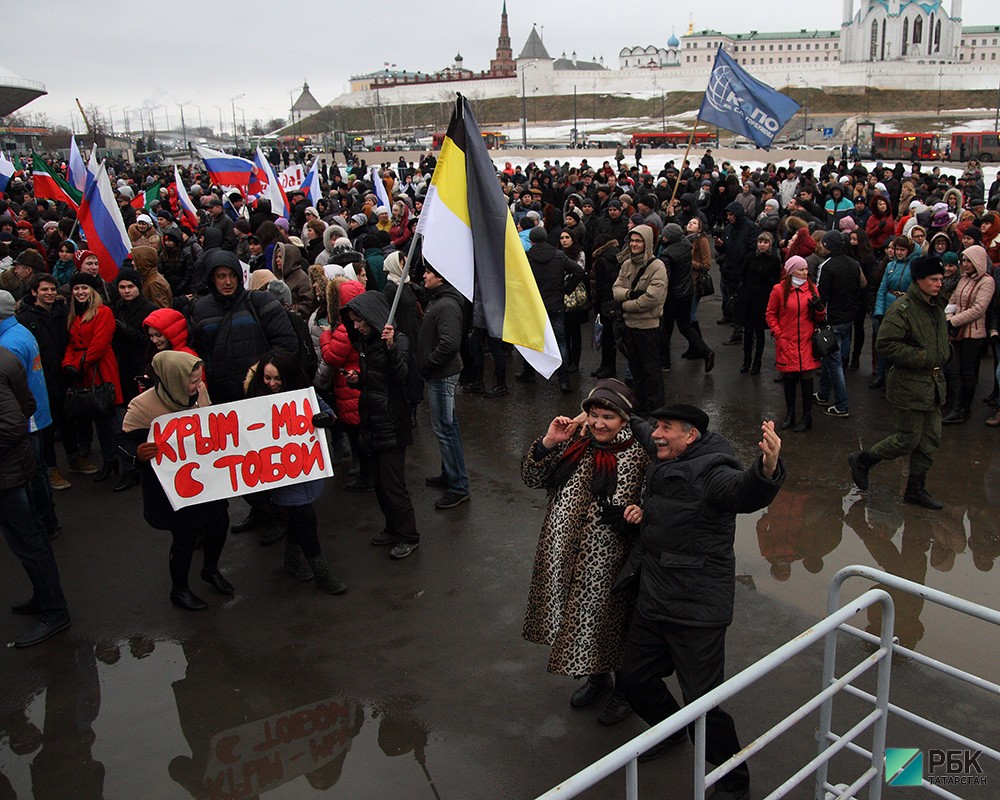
[(887, 44)]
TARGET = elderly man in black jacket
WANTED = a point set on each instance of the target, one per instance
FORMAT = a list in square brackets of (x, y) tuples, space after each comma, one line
[(26, 541), (840, 282), (440, 362), (685, 568), (556, 275)]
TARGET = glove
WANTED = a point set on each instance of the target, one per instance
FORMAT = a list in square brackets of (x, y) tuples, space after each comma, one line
[(322, 420), (635, 294), (816, 304), (71, 372)]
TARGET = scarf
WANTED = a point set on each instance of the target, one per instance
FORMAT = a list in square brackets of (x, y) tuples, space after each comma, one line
[(605, 480)]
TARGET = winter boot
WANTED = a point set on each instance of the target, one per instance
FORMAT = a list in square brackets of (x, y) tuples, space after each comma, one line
[(180, 594), (919, 496), (294, 565), (789, 421), (860, 463), (805, 423), (215, 541), (323, 578)]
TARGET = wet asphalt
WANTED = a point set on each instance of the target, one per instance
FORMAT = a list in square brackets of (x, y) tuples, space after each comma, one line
[(416, 683)]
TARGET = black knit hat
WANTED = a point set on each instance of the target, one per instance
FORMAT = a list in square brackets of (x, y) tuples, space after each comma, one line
[(86, 278), (129, 274)]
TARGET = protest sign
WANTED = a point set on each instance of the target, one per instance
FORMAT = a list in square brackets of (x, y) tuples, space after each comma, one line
[(292, 177), (259, 756), (238, 448)]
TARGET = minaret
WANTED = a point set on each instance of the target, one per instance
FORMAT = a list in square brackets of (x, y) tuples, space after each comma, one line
[(848, 12), (504, 62), (956, 9)]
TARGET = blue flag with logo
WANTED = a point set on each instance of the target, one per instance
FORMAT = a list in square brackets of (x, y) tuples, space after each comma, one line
[(740, 103)]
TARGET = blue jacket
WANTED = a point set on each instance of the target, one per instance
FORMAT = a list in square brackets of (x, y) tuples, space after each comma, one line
[(895, 279), (18, 339)]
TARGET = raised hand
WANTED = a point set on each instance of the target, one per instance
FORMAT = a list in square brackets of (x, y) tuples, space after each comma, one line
[(770, 446), (561, 429)]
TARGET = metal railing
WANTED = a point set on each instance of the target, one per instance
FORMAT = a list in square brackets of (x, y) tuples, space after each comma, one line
[(824, 734), (830, 743)]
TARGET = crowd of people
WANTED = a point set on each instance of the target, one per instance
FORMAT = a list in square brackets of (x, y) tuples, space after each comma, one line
[(819, 262)]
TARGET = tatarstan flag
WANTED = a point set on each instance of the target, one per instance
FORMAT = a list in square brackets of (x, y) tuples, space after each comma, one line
[(50, 185), (469, 237), (142, 200)]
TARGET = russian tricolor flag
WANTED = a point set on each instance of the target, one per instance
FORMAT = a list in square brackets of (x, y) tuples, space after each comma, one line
[(7, 170), (189, 214), (311, 184), (272, 190), (379, 188), (102, 225), (76, 172), (227, 170)]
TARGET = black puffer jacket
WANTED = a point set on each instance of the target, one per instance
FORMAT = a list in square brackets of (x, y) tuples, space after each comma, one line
[(131, 342), (555, 273), (176, 265), (16, 406), (384, 410), (439, 343), (684, 556), (50, 331), (231, 333), (675, 253)]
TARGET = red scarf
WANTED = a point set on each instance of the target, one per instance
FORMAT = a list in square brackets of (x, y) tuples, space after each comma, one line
[(605, 479)]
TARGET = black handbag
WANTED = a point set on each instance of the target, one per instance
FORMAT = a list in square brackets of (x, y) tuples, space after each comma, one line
[(704, 286), (89, 402), (824, 341)]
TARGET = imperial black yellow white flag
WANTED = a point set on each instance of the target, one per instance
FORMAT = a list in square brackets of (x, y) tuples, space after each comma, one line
[(469, 237)]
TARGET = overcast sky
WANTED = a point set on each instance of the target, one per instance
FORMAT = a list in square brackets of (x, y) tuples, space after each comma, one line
[(118, 54)]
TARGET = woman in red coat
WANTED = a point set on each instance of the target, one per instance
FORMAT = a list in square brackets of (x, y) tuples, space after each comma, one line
[(881, 225), (793, 310), (342, 356), (90, 359)]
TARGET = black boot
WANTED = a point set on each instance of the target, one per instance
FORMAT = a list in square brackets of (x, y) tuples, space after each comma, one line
[(955, 417), (215, 540), (804, 424), (595, 687), (860, 463), (294, 564), (129, 480), (180, 594), (746, 365), (323, 578), (755, 368), (919, 496), (255, 519), (109, 468), (789, 421)]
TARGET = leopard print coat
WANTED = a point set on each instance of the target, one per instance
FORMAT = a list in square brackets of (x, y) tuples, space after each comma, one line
[(570, 605)]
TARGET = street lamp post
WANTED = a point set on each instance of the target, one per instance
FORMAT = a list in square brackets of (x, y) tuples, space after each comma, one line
[(219, 109), (111, 119), (233, 100), (524, 107), (184, 138), (805, 114)]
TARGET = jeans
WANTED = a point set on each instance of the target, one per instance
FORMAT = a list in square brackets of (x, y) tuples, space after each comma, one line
[(41, 491), (832, 374), (31, 546), (444, 422), (558, 321)]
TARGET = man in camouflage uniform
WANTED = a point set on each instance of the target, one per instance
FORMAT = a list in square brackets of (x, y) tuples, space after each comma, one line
[(914, 337)]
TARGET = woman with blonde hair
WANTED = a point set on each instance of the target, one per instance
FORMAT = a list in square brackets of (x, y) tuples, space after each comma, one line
[(90, 360)]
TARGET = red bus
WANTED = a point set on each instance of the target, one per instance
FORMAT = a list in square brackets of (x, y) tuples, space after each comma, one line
[(494, 140), (913, 146), (650, 139), (984, 146)]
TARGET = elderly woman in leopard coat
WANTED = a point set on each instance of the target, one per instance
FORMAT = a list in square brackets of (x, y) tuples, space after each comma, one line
[(592, 468)]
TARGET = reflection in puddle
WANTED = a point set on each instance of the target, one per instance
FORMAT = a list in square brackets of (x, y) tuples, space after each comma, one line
[(810, 531), (141, 719)]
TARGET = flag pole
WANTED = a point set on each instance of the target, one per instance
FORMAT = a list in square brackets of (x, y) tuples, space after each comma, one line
[(405, 279), (687, 152)]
